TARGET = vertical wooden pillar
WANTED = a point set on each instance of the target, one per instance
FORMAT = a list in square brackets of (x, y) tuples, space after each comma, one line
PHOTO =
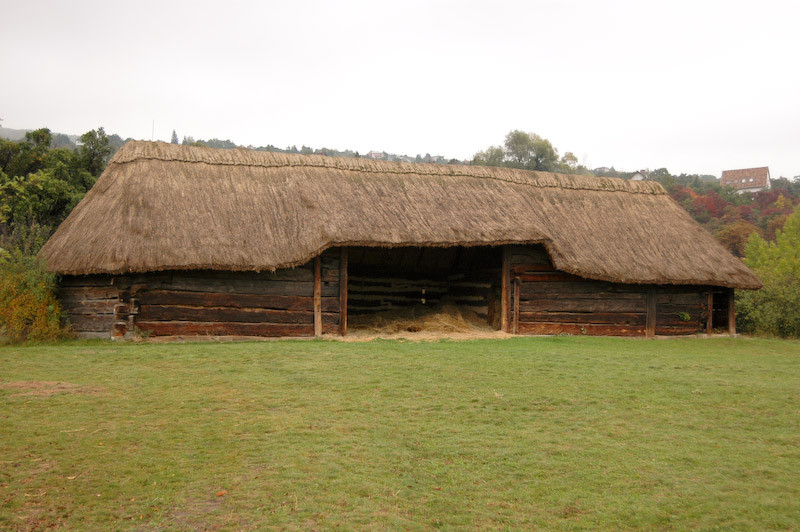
[(505, 292), (710, 319), (517, 283), (650, 327), (343, 291), (318, 296), (490, 308), (731, 312)]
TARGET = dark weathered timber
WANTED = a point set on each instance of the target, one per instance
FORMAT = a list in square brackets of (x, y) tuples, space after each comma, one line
[(568, 304), (215, 299), (85, 280), (651, 314), (188, 328), (343, 292), (731, 312), (236, 286), (610, 318), (505, 291), (222, 314), (89, 306), (532, 290), (318, 296), (91, 323), (515, 329), (710, 314), (576, 328), (548, 277), (82, 293)]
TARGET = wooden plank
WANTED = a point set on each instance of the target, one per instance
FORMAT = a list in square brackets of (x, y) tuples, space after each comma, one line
[(516, 306), (490, 305), (611, 318), (189, 328), (568, 304), (585, 287), (222, 314), (504, 295), (91, 323), (216, 299), (318, 296), (91, 306), (233, 286), (85, 280), (651, 314), (731, 312), (590, 329), (710, 317), (549, 277), (343, 292), (78, 293)]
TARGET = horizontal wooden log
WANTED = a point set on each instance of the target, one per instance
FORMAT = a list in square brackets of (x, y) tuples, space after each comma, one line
[(694, 328), (618, 318), (582, 305), (233, 286), (85, 280), (91, 306), (91, 323), (216, 299), (682, 299), (547, 277), (188, 328), (578, 329), (222, 314), (80, 293), (573, 288)]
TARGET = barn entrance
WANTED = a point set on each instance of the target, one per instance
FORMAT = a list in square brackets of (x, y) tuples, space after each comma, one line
[(424, 288)]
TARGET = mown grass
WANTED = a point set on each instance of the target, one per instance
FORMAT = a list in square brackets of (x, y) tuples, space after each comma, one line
[(555, 433)]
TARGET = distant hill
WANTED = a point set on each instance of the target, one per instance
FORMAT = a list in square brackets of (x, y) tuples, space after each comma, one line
[(60, 139)]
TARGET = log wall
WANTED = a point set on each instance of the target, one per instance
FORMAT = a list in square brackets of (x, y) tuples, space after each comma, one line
[(89, 302), (554, 302)]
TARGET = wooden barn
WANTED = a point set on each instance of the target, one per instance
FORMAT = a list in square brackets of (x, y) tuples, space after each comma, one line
[(179, 240)]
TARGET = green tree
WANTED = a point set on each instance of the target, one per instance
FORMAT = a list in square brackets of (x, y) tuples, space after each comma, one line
[(174, 137), (95, 151), (493, 156), (775, 309)]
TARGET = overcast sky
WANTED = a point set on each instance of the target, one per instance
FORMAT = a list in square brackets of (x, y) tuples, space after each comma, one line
[(691, 86)]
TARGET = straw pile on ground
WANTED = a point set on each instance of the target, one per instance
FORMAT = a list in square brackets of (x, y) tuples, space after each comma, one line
[(441, 319), (166, 207)]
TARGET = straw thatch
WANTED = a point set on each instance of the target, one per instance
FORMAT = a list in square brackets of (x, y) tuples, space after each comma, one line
[(166, 207)]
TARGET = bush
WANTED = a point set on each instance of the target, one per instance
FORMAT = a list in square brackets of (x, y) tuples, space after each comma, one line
[(775, 309), (29, 309)]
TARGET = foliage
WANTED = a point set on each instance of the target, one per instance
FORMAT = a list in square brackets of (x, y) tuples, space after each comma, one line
[(775, 309), (735, 235), (528, 151), (29, 309)]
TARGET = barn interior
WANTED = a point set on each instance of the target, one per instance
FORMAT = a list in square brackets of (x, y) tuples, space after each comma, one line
[(417, 288)]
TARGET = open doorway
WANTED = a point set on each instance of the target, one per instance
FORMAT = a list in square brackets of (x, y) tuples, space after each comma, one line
[(412, 289)]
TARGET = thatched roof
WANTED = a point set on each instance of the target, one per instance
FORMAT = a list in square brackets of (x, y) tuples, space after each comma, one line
[(164, 207)]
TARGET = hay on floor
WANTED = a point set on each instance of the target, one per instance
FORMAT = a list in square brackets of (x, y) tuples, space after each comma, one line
[(442, 318)]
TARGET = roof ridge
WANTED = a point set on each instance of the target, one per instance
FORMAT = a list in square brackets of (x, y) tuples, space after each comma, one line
[(130, 152)]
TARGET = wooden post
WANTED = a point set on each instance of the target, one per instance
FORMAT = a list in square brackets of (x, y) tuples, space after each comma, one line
[(731, 312), (710, 319), (504, 293), (650, 327), (517, 282), (343, 291), (318, 296), (490, 308)]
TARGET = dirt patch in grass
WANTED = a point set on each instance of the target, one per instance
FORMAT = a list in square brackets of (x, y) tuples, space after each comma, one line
[(47, 388)]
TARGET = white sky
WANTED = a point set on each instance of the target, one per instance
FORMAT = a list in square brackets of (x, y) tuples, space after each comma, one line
[(692, 86)]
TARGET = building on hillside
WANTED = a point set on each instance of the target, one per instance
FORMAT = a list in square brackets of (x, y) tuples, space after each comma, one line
[(640, 175), (377, 155), (184, 240), (747, 179)]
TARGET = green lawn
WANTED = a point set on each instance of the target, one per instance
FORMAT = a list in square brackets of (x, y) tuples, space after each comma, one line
[(555, 433)]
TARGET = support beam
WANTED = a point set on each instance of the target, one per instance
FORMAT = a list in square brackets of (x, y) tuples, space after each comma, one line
[(731, 312), (318, 296), (517, 283), (710, 319), (650, 327), (343, 291), (505, 291)]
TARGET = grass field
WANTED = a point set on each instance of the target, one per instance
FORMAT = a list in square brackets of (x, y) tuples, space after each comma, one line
[(555, 433)]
